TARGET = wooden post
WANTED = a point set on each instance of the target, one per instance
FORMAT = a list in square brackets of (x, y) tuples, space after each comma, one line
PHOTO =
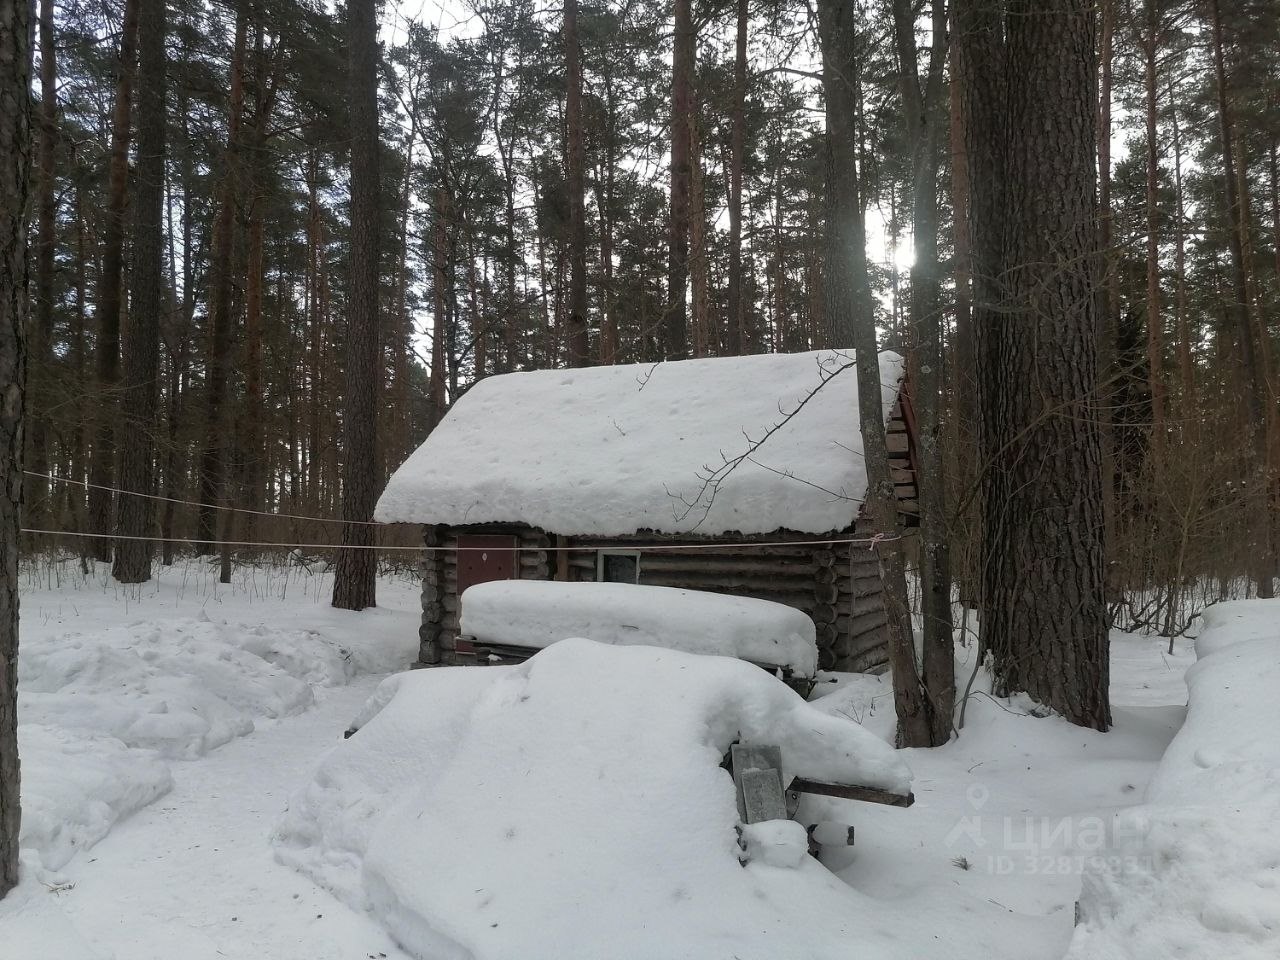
[(433, 588)]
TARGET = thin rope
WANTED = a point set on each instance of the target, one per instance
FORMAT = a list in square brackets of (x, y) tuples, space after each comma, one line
[(202, 506), (584, 548)]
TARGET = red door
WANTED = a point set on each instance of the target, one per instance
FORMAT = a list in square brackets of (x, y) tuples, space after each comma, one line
[(485, 558)]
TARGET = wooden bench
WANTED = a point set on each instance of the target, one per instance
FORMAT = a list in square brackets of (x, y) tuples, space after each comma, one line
[(762, 795)]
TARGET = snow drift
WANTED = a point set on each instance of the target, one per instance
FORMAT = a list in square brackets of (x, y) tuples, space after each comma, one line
[(574, 806), (537, 613), (1195, 872), (103, 710)]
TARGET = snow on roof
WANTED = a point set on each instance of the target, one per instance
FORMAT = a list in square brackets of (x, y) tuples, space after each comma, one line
[(574, 806), (613, 450), (537, 613)]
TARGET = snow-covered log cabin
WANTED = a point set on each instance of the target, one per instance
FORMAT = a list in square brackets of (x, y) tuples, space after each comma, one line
[(728, 474)]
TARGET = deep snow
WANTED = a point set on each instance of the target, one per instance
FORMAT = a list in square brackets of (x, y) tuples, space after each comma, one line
[(1195, 871), (139, 699), (593, 451), (962, 874), (535, 613)]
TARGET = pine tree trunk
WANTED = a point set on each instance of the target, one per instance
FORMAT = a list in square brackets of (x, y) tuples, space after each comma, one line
[(250, 434), (36, 505), (440, 270), (702, 339), (848, 288), (675, 335), (844, 239), (579, 345), (1155, 330), (1110, 294), (925, 118), (1032, 120), (1238, 309), (735, 334), (141, 347), (213, 459), (15, 195), (107, 346), (1185, 368), (604, 200), (355, 580)]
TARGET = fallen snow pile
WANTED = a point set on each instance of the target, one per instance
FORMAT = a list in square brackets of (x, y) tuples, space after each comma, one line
[(574, 807), (1196, 871), (537, 613), (615, 449), (102, 710)]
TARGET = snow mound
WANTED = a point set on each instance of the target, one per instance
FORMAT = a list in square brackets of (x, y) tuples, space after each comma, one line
[(537, 613), (574, 806), (102, 710), (1195, 872), (75, 787), (616, 449)]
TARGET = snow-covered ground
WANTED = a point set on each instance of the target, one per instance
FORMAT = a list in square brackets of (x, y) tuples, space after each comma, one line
[(155, 783), (1195, 872), (202, 706)]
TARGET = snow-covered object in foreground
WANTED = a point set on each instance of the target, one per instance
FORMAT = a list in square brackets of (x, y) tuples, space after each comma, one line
[(1195, 872), (537, 613), (574, 807), (617, 449)]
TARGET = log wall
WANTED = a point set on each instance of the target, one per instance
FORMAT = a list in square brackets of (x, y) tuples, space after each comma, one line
[(838, 585)]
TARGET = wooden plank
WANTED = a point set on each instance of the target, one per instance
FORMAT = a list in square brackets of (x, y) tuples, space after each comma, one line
[(847, 791), (762, 798), (757, 775)]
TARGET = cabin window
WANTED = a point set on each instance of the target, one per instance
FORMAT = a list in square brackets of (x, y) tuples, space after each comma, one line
[(618, 566)]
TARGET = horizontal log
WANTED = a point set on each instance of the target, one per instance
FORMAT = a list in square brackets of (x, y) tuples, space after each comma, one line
[(695, 561), (827, 575), (898, 442), (866, 622), (823, 613), (852, 792), (746, 584), (864, 604), (874, 661), (868, 640)]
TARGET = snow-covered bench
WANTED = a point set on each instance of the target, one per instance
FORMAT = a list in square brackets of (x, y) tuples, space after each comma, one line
[(507, 621)]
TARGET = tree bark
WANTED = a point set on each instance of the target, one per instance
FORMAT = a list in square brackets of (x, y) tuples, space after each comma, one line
[(355, 580), (1238, 310), (579, 352), (848, 288), (107, 347), (141, 347), (675, 335), (15, 195), (736, 336), (250, 435), (698, 279), (1185, 368), (844, 238), (440, 269), (213, 458), (922, 99), (1031, 111), (36, 506), (1155, 329)]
